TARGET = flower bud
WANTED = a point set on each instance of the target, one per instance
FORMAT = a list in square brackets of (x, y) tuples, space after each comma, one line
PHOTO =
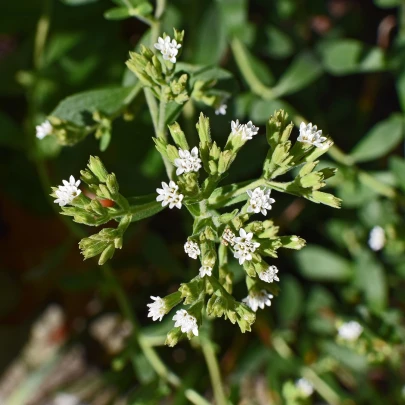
[(292, 242), (97, 167), (107, 254), (112, 184), (173, 337), (178, 136)]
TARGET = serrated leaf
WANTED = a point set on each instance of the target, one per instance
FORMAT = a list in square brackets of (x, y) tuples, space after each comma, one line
[(79, 108), (380, 140)]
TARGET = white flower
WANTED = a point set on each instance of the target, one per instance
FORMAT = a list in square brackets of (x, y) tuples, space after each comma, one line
[(258, 299), (310, 134), (376, 239), (350, 331), (305, 387), (188, 162), (228, 237), (68, 192), (221, 110), (169, 195), (168, 49), (205, 271), (244, 247), (247, 131), (192, 249), (269, 275), (260, 200), (44, 129), (187, 322), (157, 309)]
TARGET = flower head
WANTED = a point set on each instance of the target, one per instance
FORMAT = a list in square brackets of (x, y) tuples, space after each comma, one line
[(221, 110), (246, 131), (258, 299), (260, 200), (244, 246), (192, 249), (188, 161), (169, 49), (44, 129), (310, 134), (169, 195), (376, 239), (269, 275), (68, 192), (186, 322), (305, 387), (350, 331), (205, 271), (157, 308)]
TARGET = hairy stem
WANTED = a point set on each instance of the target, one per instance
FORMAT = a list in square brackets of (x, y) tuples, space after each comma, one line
[(215, 374)]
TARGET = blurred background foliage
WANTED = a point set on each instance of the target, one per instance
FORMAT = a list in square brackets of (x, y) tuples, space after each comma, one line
[(339, 64)]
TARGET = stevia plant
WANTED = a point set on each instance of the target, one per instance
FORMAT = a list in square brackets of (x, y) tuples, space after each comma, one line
[(227, 220)]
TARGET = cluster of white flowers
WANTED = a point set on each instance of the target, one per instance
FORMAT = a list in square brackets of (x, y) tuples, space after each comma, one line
[(247, 131), (309, 134), (259, 201), (258, 299), (269, 275), (188, 161), (157, 308), (305, 387), (244, 246), (169, 49), (376, 239), (221, 110), (350, 331), (186, 322), (205, 271), (43, 130), (68, 192), (192, 249), (169, 194)]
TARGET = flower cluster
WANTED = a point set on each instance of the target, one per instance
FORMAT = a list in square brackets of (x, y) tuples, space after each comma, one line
[(192, 249), (259, 201), (376, 239), (309, 134), (157, 309), (168, 48), (169, 195), (244, 246), (269, 275), (44, 129), (258, 299), (350, 331), (186, 322), (205, 271), (188, 161), (68, 192), (246, 131)]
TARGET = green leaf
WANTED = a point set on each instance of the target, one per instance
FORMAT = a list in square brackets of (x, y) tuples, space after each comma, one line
[(318, 263), (79, 108), (121, 13), (144, 207), (279, 44), (388, 3), (290, 301), (400, 86), (370, 278), (211, 31), (301, 73), (380, 140), (397, 166), (345, 56)]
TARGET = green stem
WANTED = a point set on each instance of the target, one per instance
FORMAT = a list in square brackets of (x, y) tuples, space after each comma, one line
[(215, 374), (242, 60)]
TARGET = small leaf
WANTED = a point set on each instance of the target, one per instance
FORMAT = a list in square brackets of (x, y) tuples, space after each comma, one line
[(301, 73), (80, 107), (279, 44), (388, 3), (380, 140), (318, 263)]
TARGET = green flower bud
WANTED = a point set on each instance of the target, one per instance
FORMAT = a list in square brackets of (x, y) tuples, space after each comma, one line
[(225, 160), (107, 254), (97, 167), (112, 184), (173, 337), (208, 254), (191, 291), (292, 242), (178, 136)]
